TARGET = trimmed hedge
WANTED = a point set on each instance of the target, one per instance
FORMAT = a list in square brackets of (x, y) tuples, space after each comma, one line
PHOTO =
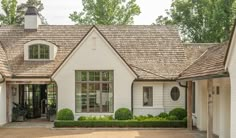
[(121, 123)]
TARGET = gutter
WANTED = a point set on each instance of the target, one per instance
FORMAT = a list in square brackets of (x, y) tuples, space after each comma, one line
[(132, 97), (186, 90)]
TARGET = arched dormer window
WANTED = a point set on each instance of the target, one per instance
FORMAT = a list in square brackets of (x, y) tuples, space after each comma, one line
[(39, 51)]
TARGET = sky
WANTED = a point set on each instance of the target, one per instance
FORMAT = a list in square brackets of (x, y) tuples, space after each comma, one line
[(57, 11)]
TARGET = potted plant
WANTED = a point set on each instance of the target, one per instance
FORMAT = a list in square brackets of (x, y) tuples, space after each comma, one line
[(52, 112), (18, 113)]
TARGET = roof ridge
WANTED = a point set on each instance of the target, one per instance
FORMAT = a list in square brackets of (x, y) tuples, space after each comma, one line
[(193, 62)]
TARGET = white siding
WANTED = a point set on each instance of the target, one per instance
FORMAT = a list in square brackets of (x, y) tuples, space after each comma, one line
[(94, 54), (2, 103), (162, 101), (169, 104), (157, 107)]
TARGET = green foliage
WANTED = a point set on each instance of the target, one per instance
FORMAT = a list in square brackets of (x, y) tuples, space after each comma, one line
[(180, 113), (201, 20), (172, 117), (9, 9), (106, 12), (14, 14), (185, 119), (163, 115), (90, 118), (65, 114), (123, 114), (121, 123)]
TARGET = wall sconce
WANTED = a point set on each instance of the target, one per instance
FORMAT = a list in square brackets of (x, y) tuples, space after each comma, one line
[(13, 89)]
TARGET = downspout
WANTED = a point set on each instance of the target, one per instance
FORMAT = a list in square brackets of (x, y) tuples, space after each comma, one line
[(132, 95), (186, 88)]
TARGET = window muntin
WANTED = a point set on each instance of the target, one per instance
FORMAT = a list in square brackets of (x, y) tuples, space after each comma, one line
[(147, 96), (94, 91), (175, 93), (38, 51)]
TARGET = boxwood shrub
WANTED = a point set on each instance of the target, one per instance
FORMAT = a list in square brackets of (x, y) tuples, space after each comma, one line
[(123, 114), (121, 123), (65, 114), (180, 113)]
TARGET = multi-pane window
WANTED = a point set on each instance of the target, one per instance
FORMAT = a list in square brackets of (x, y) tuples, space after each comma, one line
[(147, 96), (39, 51), (94, 91)]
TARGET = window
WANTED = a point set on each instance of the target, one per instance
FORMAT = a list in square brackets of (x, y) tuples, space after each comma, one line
[(94, 91), (39, 51), (147, 96), (175, 94)]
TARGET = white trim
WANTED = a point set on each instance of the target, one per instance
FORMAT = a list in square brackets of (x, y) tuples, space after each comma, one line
[(52, 50), (231, 47), (82, 42)]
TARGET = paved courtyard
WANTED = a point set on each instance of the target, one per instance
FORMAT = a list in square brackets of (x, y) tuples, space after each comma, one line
[(96, 133)]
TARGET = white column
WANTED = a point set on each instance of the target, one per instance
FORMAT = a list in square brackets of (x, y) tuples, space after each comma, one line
[(233, 106), (224, 109)]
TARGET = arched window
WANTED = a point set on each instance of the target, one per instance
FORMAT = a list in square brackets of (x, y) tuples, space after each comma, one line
[(39, 51), (175, 93)]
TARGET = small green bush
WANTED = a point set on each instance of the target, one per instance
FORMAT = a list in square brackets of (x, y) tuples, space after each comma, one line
[(185, 119), (163, 115), (172, 117), (180, 113), (121, 123), (123, 114), (65, 114)]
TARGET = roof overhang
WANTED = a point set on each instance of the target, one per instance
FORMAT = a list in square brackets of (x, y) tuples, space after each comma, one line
[(204, 77)]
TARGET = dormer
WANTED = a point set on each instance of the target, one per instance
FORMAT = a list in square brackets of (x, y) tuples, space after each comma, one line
[(39, 50)]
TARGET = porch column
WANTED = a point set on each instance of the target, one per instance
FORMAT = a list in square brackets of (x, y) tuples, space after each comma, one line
[(210, 109), (8, 102), (189, 106)]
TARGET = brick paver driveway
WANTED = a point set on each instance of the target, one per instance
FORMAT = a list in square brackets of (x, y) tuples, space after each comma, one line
[(98, 133)]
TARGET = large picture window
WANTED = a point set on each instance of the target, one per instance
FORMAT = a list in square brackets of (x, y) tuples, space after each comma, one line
[(147, 96), (94, 91), (39, 51)]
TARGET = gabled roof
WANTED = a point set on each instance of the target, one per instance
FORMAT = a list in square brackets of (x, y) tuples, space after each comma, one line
[(151, 51), (210, 63)]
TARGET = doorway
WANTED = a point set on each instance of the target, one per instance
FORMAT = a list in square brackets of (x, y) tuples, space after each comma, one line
[(36, 98)]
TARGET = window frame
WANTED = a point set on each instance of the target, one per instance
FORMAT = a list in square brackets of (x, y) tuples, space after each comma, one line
[(175, 100), (39, 46), (144, 87), (94, 82)]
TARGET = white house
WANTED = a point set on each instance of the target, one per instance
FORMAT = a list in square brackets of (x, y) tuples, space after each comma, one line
[(94, 70)]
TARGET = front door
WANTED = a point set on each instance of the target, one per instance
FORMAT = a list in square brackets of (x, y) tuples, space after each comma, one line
[(32, 97)]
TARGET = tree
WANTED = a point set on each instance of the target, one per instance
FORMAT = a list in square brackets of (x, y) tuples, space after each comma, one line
[(106, 12), (9, 9), (14, 14), (201, 20), (21, 9)]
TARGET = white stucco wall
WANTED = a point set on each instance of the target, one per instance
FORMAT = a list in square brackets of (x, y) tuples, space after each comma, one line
[(221, 107), (94, 53), (32, 22), (162, 101), (2, 103)]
